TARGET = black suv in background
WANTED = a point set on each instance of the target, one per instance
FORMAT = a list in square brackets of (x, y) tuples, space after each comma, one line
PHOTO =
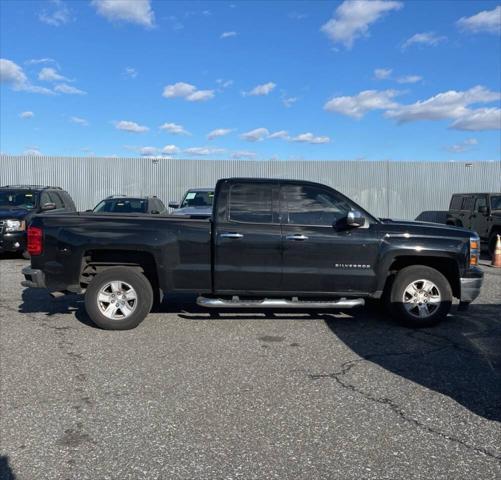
[(124, 204), (18, 203), (480, 212)]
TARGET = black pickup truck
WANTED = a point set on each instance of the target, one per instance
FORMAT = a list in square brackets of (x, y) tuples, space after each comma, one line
[(269, 243)]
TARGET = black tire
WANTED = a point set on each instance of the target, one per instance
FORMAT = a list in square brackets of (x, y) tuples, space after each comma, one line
[(406, 277), (491, 245), (142, 289)]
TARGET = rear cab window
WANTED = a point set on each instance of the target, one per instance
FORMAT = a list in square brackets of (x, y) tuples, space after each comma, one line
[(253, 203)]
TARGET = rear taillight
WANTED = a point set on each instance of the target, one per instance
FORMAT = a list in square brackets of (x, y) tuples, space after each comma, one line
[(35, 241)]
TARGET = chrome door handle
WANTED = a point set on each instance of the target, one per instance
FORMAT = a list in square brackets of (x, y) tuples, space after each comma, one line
[(296, 237), (231, 235)]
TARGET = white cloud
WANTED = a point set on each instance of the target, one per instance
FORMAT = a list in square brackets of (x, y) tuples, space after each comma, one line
[(37, 61), (260, 90), (282, 134), (174, 128), (200, 96), (358, 105), (310, 138), (219, 132), (463, 146), (203, 150), (255, 135), (487, 21), (130, 72), (425, 38), (224, 83), (446, 105), (409, 79), (287, 102), (243, 154), (58, 15), (128, 126), (479, 119), (48, 74), (170, 149), (132, 11), (382, 73), (68, 89), (12, 74), (228, 34), (187, 91), (26, 115), (34, 152), (353, 17), (148, 151), (79, 121)]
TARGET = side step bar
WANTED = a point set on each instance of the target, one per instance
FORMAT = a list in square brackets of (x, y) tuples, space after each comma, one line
[(235, 302)]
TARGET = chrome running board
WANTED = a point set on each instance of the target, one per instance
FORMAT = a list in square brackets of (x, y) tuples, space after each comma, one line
[(235, 302)]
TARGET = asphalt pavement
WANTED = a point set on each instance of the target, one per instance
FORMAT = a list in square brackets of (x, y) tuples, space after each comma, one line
[(195, 395)]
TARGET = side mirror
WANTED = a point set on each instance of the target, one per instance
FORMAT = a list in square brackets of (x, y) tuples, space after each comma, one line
[(48, 206), (355, 219), (483, 209), (155, 212), (173, 204)]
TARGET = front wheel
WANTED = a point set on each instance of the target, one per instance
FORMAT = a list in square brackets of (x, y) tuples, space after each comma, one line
[(118, 298), (420, 296)]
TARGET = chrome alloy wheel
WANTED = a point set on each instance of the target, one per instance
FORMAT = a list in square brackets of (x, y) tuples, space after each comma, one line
[(117, 300), (421, 298)]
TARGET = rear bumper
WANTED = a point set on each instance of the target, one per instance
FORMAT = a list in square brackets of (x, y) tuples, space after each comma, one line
[(13, 242), (471, 284), (33, 278)]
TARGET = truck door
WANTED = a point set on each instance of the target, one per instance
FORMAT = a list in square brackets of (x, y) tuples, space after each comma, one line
[(319, 257), (480, 215), (248, 239)]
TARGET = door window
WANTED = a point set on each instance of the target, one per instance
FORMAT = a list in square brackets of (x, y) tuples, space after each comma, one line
[(480, 202), (44, 198), (467, 203), (311, 205), (251, 203), (56, 198)]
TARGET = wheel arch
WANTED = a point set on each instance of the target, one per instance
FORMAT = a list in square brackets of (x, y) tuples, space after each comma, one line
[(447, 266)]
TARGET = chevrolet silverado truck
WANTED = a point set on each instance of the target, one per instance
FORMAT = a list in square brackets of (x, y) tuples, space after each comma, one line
[(269, 244)]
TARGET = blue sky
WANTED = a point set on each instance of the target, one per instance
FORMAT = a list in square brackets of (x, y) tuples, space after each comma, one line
[(414, 80)]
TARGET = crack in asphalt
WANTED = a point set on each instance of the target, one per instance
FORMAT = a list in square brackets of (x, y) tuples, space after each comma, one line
[(346, 367)]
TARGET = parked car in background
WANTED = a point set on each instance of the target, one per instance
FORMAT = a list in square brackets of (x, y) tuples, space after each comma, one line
[(480, 212), (18, 204), (315, 249), (196, 202), (124, 204)]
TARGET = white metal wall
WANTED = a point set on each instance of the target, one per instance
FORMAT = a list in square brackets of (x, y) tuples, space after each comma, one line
[(387, 189)]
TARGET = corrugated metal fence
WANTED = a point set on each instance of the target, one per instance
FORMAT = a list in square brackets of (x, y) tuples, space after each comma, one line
[(385, 188)]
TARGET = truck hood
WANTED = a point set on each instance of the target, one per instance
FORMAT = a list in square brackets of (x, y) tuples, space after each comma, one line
[(17, 213), (423, 228)]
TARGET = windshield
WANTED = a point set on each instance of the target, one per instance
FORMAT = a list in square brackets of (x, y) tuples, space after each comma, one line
[(18, 199), (496, 202), (122, 205), (195, 198)]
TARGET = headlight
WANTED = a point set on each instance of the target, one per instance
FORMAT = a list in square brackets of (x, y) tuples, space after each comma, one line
[(14, 225), (474, 250)]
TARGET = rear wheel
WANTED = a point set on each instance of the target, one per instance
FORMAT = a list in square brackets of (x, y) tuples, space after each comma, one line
[(118, 298), (420, 296)]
